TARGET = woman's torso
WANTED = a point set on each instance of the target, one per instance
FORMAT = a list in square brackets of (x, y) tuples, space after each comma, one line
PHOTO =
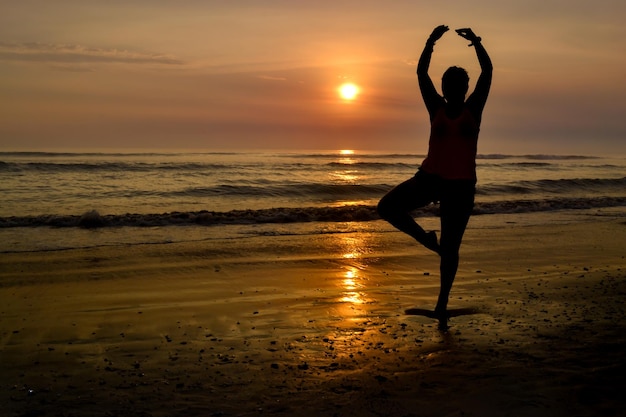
[(453, 145)]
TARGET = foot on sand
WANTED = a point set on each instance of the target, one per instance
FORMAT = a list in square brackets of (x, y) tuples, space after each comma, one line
[(442, 315), (429, 240)]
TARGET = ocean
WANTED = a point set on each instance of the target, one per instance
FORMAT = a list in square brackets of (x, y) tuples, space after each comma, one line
[(55, 201)]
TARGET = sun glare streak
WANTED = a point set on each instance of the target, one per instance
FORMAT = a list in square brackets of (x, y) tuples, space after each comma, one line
[(351, 286), (345, 176), (353, 280), (352, 298)]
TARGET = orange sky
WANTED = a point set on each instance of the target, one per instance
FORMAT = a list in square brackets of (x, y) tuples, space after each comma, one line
[(264, 75)]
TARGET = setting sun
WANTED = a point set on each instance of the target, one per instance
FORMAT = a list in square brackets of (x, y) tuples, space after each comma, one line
[(348, 91)]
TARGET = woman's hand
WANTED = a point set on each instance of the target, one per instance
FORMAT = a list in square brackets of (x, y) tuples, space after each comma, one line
[(438, 33), (468, 34)]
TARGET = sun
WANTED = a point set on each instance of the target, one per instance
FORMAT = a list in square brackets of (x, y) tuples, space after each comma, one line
[(348, 91)]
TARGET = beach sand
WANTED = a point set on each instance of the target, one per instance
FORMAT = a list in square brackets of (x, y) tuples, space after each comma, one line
[(315, 325)]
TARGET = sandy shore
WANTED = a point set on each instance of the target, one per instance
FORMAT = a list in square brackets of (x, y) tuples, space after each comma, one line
[(315, 325)]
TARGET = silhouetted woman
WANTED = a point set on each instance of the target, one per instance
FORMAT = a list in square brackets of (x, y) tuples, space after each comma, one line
[(448, 174)]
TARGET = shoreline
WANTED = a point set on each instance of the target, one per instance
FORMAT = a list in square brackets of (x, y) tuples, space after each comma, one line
[(315, 325)]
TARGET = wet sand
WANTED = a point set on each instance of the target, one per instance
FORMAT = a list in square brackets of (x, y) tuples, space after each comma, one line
[(316, 325)]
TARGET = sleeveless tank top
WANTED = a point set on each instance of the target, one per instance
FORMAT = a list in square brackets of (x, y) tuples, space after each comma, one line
[(452, 146)]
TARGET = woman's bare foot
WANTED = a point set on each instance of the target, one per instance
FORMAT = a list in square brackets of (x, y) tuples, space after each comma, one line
[(429, 240), (442, 315)]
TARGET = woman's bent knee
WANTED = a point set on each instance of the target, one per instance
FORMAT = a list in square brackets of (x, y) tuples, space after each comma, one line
[(384, 209)]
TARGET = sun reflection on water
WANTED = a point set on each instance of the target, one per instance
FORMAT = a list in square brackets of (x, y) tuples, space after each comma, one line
[(354, 247), (349, 174), (345, 176), (359, 321), (352, 288), (353, 302), (353, 277)]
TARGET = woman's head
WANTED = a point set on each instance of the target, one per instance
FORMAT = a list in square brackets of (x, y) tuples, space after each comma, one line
[(454, 84)]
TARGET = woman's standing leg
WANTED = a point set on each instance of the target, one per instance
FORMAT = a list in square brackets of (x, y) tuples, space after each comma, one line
[(457, 203)]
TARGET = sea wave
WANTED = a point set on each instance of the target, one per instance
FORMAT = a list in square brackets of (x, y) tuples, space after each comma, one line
[(52, 167), (260, 188), (111, 154), (352, 213), (540, 157), (371, 165), (294, 189), (355, 155), (51, 162), (120, 166), (191, 168), (324, 154), (556, 186)]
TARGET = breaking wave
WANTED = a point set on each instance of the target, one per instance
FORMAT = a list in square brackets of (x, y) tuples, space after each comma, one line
[(355, 213)]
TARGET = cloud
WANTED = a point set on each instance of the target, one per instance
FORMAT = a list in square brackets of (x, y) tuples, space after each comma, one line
[(271, 78), (78, 54)]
